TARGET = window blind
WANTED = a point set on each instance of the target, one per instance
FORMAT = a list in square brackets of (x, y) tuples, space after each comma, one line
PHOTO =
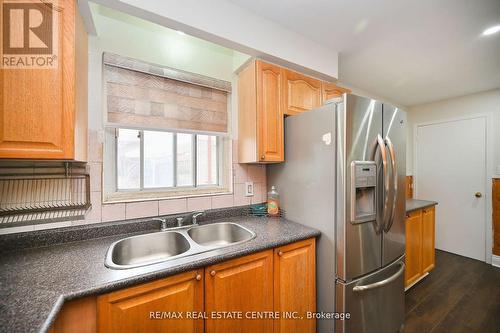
[(143, 95)]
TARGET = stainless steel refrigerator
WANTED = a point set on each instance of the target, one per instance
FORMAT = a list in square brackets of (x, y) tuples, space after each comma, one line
[(344, 174)]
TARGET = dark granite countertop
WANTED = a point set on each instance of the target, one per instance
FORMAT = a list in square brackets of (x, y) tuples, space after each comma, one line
[(415, 204), (35, 282)]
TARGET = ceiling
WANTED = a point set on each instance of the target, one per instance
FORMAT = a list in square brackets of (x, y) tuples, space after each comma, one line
[(411, 52)]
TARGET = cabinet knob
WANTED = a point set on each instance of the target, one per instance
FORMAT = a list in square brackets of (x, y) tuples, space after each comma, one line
[(280, 253), (212, 273), (198, 277), (478, 194)]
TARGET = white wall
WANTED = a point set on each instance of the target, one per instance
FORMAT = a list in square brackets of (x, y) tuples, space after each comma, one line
[(464, 106), (227, 24), (136, 38)]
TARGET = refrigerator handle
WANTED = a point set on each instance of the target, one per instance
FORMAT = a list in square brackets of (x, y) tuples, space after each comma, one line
[(381, 145), (382, 283), (394, 167)]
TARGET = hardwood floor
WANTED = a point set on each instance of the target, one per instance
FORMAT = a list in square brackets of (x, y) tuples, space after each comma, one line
[(459, 295)]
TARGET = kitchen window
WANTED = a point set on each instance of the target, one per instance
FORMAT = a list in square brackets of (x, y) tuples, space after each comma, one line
[(165, 160), (166, 132)]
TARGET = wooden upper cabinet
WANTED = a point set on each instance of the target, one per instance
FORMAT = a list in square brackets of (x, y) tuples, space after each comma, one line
[(44, 111), (266, 93), (243, 285), (129, 310), (300, 93), (413, 259), (330, 90), (295, 286), (428, 239), (260, 114)]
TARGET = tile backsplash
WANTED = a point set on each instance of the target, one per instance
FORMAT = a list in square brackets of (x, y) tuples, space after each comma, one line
[(101, 212)]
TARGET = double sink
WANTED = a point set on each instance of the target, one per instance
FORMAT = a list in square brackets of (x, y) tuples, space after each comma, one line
[(148, 249)]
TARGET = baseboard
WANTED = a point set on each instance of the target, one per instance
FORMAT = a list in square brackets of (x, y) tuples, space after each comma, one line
[(495, 260)]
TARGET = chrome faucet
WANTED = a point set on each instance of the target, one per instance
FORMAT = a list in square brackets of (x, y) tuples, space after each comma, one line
[(163, 226), (195, 216)]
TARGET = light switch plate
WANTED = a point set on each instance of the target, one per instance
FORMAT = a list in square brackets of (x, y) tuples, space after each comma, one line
[(248, 189)]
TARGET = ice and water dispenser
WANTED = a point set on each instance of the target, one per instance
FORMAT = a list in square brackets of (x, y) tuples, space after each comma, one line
[(363, 191)]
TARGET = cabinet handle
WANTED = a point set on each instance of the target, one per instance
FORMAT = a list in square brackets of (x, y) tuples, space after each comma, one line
[(212, 273), (280, 253), (198, 277), (263, 157)]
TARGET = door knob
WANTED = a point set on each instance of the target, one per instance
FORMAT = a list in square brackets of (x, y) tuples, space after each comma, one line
[(478, 194)]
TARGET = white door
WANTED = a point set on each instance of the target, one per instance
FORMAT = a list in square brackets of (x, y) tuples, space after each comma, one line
[(451, 169)]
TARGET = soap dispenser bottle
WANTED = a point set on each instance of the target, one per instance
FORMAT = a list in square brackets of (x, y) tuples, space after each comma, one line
[(273, 202)]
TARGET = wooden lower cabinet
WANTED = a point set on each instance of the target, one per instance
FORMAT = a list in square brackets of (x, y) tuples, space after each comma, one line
[(420, 244), (255, 287), (413, 259), (242, 285), (428, 239), (134, 309), (295, 286), (78, 316)]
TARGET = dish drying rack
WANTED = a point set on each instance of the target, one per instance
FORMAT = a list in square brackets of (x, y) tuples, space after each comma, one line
[(42, 193)]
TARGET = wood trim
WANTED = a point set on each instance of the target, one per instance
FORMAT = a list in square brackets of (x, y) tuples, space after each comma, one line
[(496, 216), (409, 187), (77, 316)]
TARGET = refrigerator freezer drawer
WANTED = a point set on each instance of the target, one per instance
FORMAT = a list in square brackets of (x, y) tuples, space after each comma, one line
[(375, 302)]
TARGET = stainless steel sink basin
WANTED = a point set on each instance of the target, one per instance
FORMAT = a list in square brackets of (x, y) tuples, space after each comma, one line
[(179, 242), (219, 234), (146, 249)]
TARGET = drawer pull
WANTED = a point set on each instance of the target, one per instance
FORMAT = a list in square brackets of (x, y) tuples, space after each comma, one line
[(212, 273), (198, 277), (280, 253)]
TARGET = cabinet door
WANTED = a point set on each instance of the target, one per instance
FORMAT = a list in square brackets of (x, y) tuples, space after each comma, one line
[(240, 286), (133, 309), (428, 236), (331, 90), (269, 113), (295, 286), (413, 259), (77, 316), (300, 93), (37, 105)]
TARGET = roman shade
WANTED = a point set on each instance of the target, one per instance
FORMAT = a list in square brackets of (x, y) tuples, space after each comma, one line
[(140, 94)]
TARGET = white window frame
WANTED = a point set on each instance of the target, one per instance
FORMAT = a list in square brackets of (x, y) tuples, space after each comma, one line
[(112, 194)]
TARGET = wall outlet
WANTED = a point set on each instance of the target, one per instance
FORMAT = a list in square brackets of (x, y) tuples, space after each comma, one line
[(248, 189)]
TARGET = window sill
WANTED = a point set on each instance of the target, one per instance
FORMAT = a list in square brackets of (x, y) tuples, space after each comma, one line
[(122, 197)]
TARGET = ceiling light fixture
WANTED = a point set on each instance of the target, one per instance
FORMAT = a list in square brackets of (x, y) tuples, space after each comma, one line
[(492, 30), (182, 33)]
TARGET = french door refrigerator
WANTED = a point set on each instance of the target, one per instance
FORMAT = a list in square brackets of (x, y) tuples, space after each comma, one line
[(344, 174)]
